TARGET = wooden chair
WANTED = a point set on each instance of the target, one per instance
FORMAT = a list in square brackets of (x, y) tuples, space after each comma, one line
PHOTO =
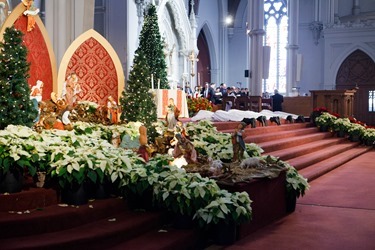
[(255, 103), (267, 103), (228, 99), (242, 103)]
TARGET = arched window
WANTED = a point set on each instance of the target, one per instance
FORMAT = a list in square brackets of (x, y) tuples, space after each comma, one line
[(276, 27)]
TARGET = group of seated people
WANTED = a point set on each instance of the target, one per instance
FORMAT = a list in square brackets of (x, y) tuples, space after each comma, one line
[(219, 96), (215, 95)]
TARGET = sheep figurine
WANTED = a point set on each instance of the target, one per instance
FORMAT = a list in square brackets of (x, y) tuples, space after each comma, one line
[(215, 166), (252, 163)]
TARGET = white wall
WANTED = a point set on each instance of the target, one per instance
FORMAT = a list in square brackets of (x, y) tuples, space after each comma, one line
[(312, 62)]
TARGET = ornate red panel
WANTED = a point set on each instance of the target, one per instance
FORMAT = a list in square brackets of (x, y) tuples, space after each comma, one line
[(96, 71), (40, 63)]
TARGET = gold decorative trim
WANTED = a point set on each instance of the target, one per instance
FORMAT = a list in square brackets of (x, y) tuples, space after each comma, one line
[(75, 45)]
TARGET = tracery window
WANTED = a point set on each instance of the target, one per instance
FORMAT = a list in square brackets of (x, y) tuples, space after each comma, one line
[(276, 27), (371, 101)]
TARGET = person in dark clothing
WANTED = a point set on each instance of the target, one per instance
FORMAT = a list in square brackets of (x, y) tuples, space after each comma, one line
[(277, 101), (209, 93)]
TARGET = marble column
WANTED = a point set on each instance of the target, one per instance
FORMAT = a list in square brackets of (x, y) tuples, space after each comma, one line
[(292, 47), (256, 33)]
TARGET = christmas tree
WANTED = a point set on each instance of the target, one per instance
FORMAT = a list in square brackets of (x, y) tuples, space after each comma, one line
[(15, 105), (151, 44), (137, 102)]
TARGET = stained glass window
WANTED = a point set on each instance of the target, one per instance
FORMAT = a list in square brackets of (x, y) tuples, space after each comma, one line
[(371, 101), (276, 27)]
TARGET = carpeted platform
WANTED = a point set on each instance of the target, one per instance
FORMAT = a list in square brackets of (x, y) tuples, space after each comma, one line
[(110, 223), (337, 213)]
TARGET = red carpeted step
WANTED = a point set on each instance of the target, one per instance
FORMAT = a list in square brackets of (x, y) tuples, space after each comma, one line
[(28, 199), (164, 239), (299, 150), (320, 155), (263, 130), (100, 234), (56, 217), (314, 171), (294, 141), (280, 134)]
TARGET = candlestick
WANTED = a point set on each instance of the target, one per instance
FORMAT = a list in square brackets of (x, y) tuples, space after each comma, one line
[(152, 81)]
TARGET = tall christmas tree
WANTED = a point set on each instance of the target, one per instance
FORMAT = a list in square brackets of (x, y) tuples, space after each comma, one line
[(15, 105), (151, 44), (136, 101)]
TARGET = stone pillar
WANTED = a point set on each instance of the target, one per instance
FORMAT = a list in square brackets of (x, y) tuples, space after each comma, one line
[(356, 8), (292, 47), (223, 42), (256, 33)]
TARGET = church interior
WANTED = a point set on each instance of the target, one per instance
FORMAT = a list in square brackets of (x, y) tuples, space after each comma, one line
[(187, 124)]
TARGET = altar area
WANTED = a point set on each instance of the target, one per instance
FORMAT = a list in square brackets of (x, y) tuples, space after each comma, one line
[(163, 95)]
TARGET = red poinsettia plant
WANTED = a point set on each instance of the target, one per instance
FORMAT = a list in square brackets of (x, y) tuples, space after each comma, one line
[(196, 104)]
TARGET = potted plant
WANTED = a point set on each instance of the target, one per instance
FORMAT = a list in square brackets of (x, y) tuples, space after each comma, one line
[(296, 185), (316, 113), (325, 121), (356, 132), (369, 136), (341, 126), (19, 153), (224, 213), (196, 104)]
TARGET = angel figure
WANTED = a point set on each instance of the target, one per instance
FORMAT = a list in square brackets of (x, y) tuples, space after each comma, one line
[(30, 12)]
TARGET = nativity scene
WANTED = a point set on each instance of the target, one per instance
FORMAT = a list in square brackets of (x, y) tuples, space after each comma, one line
[(118, 142)]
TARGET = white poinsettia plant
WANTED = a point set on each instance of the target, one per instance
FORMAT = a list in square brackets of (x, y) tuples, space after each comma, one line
[(65, 155), (369, 134), (325, 119), (341, 124), (356, 129), (216, 145)]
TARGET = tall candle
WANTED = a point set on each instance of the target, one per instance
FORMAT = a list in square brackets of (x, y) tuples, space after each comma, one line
[(152, 81), (159, 83), (199, 79)]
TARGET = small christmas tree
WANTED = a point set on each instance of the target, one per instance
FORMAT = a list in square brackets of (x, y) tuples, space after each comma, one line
[(151, 44), (15, 105), (137, 102)]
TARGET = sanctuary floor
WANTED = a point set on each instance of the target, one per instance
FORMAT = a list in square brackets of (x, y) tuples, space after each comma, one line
[(338, 212)]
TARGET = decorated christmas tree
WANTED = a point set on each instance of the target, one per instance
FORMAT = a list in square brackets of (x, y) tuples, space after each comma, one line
[(151, 44), (15, 105), (136, 101)]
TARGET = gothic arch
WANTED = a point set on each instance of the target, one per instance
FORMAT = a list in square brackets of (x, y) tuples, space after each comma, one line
[(357, 68), (337, 62), (241, 15), (206, 30), (96, 64)]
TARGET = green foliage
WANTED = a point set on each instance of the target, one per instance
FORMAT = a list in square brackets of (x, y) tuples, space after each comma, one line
[(15, 105), (151, 44), (137, 102)]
